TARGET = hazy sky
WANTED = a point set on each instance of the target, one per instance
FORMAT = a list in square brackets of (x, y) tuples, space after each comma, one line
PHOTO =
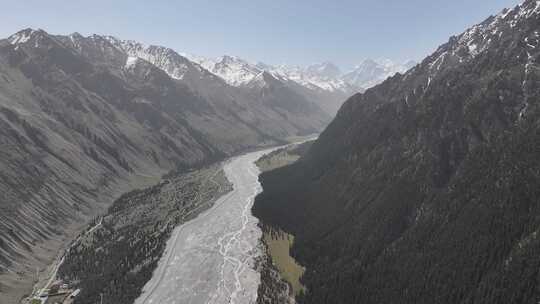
[(273, 31)]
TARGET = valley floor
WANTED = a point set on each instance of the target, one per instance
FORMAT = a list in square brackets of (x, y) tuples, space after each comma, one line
[(219, 249), (211, 259)]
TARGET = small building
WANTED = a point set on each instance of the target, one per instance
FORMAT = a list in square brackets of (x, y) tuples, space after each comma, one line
[(75, 293), (44, 293)]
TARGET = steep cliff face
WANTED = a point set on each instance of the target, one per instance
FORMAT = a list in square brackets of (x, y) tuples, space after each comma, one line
[(424, 189), (83, 120)]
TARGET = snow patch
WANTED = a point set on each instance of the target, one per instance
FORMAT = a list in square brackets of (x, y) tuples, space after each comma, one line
[(21, 37), (131, 61)]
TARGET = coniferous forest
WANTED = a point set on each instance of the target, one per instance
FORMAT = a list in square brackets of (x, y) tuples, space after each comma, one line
[(426, 188)]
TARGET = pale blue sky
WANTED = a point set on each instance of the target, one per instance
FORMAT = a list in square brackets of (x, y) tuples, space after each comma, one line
[(272, 31)]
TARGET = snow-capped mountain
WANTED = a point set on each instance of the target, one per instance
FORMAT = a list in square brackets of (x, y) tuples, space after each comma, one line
[(372, 72), (325, 70), (319, 83), (235, 71), (322, 82), (238, 72), (324, 76), (174, 64)]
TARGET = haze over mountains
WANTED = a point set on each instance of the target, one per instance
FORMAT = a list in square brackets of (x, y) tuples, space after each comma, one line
[(237, 71), (370, 73), (325, 78)]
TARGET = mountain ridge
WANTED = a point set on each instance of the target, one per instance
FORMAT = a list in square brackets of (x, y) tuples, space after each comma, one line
[(324, 79), (325, 75), (424, 188)]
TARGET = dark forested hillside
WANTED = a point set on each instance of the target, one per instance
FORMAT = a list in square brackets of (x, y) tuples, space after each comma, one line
[(426, 188), (117, 258)]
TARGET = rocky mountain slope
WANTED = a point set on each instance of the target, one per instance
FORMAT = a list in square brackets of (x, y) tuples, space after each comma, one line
[(84, 119), (424, 189)]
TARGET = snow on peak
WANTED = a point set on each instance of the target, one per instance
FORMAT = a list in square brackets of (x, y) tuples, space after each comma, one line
[(131, 61), (372, 72), (175, 65), (206, 63), (260, 80), (239, 72), (27, 35), (323, 76), (75, 38), (323, 70), (234, 71), (480, 37), (21, 37)]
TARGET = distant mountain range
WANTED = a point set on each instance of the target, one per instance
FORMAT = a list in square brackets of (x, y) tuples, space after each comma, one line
[(370, 73), (325, 78)]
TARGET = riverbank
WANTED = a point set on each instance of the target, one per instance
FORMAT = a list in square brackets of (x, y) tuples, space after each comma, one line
[(128, 222), (280, 272), (29, 285), (212, 259), (117, 259)]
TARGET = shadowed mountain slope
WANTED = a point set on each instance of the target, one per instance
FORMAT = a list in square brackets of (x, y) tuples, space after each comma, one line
[(425, 189)]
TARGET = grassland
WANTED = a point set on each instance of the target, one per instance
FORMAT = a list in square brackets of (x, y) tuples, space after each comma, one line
[(283, 157), (279, 243)]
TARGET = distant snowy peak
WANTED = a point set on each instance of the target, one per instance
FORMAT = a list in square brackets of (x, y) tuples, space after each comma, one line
[(372, 72), (327, 76), (239, 72), (207, 63), (235, 71), (21, 36), (131, 62), (31, 37), (166, 59), (323, 70), (324, 76), (262, 80)]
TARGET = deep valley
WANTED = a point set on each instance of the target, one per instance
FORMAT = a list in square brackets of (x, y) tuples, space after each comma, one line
[(137, 173)]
